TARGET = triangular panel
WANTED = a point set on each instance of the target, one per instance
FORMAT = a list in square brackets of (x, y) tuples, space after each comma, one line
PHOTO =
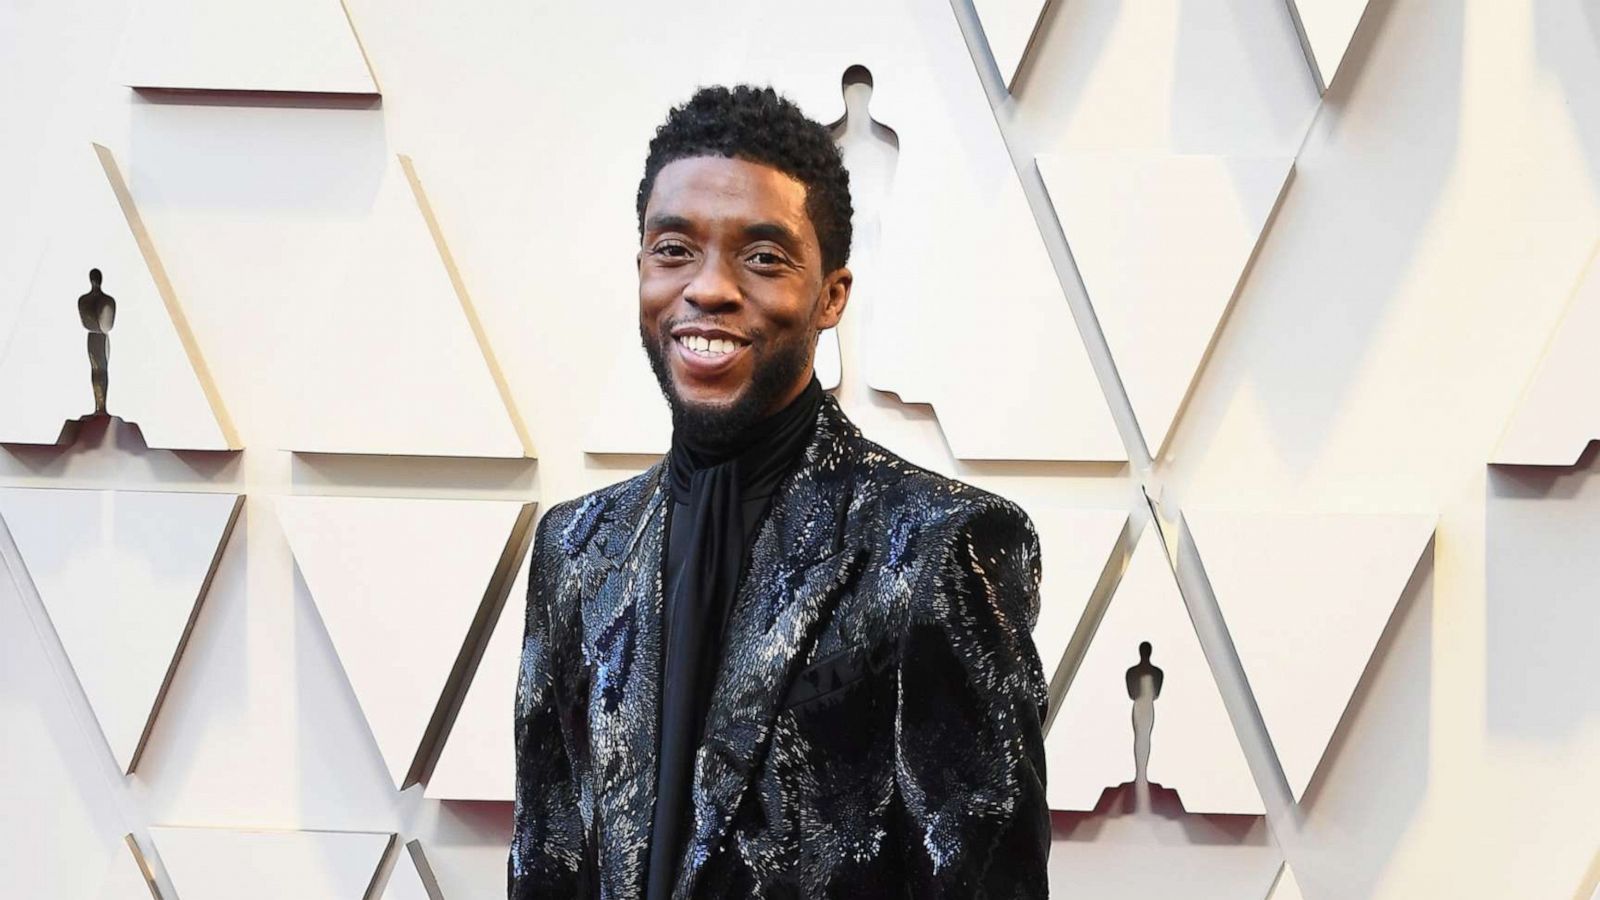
[(1560, 410), (1161, 241), (1075, 545), (401, 585), (478, 760), (412, 878), (1287, 887), (128, 875), (1193, 747), (292, 46), (1326, 27), (1305, 598), (122, 575), (155, 376), (240, 864), (390, 358), (1009, 26)]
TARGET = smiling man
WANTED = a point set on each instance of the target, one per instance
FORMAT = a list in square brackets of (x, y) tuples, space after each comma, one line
[(782, 662)]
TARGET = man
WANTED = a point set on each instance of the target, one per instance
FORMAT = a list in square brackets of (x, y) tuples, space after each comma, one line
[(782, 662)]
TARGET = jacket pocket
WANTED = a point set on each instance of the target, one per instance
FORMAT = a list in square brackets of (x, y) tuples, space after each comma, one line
[(828, 678)]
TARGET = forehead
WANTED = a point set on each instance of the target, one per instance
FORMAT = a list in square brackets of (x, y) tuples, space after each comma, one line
[(705, 189)]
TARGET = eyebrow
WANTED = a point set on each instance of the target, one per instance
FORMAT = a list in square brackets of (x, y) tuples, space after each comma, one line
[(663, 222), (772, 231), (756, 231)]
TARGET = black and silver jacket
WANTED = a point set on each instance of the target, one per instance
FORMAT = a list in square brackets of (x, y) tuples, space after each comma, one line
[(876, 725)]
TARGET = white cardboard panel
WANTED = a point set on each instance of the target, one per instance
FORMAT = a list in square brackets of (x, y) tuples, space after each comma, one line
[(479, 760), (1560, 411), (1149, 857), (1287, 888), (1161, 241), (128, 876), (412, 878), (385, 358), (1193, 747), (154, 378), (242, 864), (398, 582), (300, 46), (1010, 26), (1306, 597), (1326, 27), (1075, 546), (122, 574)]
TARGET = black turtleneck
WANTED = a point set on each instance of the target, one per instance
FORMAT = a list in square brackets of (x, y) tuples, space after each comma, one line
[(718, 495)]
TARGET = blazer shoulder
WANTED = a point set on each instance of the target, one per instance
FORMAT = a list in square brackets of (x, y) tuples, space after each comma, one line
[(902, 490), (570, 528)]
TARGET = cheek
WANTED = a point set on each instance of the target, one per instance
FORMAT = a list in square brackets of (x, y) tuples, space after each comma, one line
[(656, 293)]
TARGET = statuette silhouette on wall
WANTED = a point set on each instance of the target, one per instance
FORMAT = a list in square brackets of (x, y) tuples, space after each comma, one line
[(98, 311), (1144, 686), (87, 216)]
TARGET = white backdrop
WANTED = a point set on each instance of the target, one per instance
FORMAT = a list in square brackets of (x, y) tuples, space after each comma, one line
[(1441, 210)]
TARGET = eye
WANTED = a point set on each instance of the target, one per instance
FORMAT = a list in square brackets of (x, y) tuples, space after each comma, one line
[(766, 258), (670, 250)]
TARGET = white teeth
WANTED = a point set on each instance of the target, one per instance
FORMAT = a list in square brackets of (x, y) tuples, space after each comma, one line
[(703, 346)]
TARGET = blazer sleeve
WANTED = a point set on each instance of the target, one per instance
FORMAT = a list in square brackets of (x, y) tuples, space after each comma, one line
[(547, 855), (970, 766)]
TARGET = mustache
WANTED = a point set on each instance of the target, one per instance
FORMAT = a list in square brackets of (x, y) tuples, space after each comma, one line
[(664, 331)]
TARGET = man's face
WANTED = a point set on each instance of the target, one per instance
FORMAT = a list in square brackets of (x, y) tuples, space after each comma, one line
[(732, 291)]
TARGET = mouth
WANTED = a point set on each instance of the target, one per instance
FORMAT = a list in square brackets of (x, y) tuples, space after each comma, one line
[(707, 352)]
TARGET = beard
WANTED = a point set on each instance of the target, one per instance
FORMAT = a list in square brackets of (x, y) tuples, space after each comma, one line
[(777, 366)]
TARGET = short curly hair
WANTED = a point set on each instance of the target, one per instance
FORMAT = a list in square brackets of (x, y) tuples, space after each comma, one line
[(759, 125)]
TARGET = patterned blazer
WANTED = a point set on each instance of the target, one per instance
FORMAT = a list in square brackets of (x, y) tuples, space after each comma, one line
[(875, 729)]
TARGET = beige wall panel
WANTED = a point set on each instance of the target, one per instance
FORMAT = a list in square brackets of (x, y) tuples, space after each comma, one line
[(1127, 852), (242, 864), (1193, 747), (1306, 597), (128, 876), (156, 377), (1286, 888), (122, 575), (412, 877), (1075, 547), (1559, 413), (1010, 26), (298, 46), (399, 583), (1326, 27), (1161, 241), (383, 355), (479, 760)]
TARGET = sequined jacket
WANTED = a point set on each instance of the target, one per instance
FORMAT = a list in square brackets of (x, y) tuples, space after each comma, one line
[(875, 728)]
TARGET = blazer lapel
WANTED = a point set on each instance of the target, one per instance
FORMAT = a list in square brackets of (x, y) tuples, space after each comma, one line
[(797, 565), (622, 652)]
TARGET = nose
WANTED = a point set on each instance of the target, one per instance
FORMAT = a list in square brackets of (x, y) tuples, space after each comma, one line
[(714, 287)]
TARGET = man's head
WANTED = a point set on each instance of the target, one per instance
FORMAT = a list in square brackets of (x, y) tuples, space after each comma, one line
[(744, 226)]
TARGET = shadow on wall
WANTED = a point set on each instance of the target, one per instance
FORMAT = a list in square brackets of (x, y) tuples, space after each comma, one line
[(1344, 240), (1543, 598), (1139, 844), (1577, 64), (1373, 776)]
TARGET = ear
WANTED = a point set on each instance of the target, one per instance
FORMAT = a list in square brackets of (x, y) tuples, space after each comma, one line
[(834, 298)]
